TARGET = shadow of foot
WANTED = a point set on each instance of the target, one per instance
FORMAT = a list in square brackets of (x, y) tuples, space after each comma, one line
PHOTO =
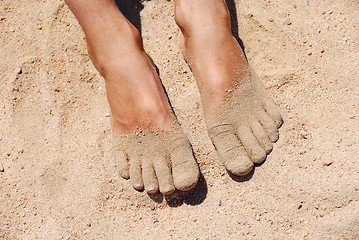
[(242, 178), (194, 196)]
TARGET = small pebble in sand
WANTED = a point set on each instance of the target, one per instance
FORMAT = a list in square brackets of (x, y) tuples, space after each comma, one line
[(303, 136), (328, 163), (18, 70), (1, 167), (107, 115), (220, 203), (197, 105), (287, 22)]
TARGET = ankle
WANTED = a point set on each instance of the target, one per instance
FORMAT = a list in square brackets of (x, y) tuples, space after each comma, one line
[(207, 15), (113, 43), (91, 13)]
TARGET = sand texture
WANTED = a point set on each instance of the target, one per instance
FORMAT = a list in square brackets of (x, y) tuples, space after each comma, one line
[(58, 174)]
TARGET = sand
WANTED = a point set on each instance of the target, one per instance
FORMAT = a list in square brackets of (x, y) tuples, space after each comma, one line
[(59, 178)]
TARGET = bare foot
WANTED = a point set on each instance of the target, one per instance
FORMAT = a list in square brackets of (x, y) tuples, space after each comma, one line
[(241, 117), (151, 148)]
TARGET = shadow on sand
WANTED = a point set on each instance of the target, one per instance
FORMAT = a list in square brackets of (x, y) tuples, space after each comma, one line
[(194, 196)]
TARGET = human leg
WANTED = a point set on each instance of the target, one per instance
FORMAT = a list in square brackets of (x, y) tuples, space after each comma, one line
[(152, 149), (242, 119)]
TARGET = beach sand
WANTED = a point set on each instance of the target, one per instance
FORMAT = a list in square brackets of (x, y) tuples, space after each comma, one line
[(58, 177)]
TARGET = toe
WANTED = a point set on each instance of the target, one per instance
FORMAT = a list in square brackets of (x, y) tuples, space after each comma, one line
[(164, 176), (230, 150), (135, 173), (262, 137), (250, 143), (268, 124), (272, 110), (184, 167), (122, 164), (149, 177)]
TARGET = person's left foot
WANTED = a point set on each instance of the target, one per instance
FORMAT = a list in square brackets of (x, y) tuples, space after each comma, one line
[(242, 119)]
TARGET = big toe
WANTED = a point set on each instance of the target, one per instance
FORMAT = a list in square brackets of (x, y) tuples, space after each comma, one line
[(240, 166), (230, 150), (184, 167)]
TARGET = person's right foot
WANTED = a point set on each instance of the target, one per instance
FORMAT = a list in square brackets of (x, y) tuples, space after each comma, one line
[(151, 148)]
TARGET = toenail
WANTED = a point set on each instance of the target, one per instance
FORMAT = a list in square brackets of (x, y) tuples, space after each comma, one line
[(167, 190), (152, 190), (138, 186)]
